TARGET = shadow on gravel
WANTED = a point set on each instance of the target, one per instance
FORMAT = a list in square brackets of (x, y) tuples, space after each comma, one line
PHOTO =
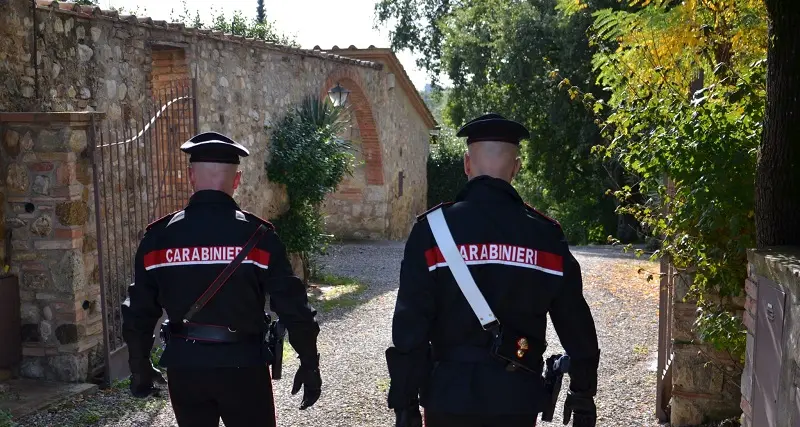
[(110, 407), (611, 252), (354, 273)]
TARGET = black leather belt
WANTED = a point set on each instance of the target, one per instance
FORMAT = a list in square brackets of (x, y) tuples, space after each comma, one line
[(210, 333), (467, 354)]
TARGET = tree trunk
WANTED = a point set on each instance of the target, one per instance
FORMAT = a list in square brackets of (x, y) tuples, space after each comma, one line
[(778, 170)]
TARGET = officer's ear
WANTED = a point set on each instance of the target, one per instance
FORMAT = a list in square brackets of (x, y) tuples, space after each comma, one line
[(237, 180), (467, 164), (192, 176)]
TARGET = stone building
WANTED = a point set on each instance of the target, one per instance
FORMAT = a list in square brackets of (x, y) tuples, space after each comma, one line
[(72, 74)]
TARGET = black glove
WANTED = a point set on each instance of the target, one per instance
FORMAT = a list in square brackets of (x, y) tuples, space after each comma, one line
[(408, 417), (582, 408), (309, 378), (142, 382)]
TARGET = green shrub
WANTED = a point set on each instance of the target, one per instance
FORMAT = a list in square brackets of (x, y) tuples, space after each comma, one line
[(446, 169), (310, 160)]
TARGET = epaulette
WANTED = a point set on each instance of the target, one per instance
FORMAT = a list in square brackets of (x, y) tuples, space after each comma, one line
[(532, 209), (162, 219), (421, 216), (261, 220)]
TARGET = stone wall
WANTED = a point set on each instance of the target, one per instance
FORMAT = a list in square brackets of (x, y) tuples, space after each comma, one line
[(48, 193), (96, 60), (771, 378), (373, 204), (406, 149), (705, 382), (17, 73)]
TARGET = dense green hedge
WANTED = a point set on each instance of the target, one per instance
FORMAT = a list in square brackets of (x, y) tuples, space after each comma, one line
[(446, 169)]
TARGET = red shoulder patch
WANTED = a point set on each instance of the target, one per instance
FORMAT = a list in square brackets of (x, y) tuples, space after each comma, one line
[(262, 220), (165, 217), (424, 214), (532, 209)]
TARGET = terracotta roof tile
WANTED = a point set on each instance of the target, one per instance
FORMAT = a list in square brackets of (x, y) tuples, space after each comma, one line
[(94, 12)]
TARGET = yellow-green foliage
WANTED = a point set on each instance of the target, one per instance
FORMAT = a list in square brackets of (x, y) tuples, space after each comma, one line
[(663, 121)]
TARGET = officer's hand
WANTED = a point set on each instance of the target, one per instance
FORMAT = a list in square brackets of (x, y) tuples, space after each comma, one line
[(408, 417), (582, 408), (309, 378)]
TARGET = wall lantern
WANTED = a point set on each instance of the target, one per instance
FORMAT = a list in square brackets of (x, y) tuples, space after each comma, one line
[(338, 95)]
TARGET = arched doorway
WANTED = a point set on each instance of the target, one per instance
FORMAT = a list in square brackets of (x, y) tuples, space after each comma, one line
[(358, 208)]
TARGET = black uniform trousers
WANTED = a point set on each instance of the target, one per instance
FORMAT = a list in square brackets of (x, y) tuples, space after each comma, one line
[(451, 420), (242, 397)]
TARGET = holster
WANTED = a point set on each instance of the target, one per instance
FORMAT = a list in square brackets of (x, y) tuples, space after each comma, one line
[(273, 343), (516, 350), (555, 368)]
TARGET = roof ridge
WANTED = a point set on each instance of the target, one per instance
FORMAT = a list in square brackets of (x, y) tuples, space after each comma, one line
[(96, 12)]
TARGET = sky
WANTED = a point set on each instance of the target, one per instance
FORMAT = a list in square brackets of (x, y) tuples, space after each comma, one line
[(312, 22)]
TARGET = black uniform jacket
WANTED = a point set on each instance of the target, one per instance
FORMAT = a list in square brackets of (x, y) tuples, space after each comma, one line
[(178, 258), (521, 262)]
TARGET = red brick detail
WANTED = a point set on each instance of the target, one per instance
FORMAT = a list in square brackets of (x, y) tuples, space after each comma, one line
[(65, 233), (57, 157), (370, 140), (752, 288), (41, 167), (350, 194), (65, 174), (63, 193), (32, 266), (749, 322), (169, 78)]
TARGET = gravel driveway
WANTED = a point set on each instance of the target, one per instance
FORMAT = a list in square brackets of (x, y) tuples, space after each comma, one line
[(353, 340)]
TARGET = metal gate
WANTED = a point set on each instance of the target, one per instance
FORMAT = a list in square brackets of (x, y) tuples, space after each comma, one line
[(665, 353), (139, 175), (666, 304)]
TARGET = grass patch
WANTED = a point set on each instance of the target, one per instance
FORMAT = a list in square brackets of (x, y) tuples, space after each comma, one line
[(105, 407), (329, 292), (6, 419), (640, 349), (288, 351), (123, 384), (383, 385)]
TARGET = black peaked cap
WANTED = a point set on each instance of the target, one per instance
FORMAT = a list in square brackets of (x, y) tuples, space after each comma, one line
[(493, 127), (214, 147)]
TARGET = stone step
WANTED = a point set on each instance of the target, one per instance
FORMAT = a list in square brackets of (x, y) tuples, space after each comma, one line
[(21, 397)]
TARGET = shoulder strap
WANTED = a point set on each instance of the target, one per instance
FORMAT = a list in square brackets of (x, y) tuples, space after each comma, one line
[(225, 274), (444, 239)]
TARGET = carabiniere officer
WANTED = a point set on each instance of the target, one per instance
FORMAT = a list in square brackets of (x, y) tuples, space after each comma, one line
[(217, 362), (521, 262)]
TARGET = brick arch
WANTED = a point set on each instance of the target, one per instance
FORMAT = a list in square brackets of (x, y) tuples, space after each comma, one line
[(359, 105)]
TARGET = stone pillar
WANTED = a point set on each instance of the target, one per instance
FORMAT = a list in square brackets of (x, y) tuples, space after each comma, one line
[(49, 201), (705, 381), (749, 318), (771, 378)]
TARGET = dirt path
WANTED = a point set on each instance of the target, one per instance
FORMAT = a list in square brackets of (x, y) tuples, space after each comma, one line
[(357, 330)]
